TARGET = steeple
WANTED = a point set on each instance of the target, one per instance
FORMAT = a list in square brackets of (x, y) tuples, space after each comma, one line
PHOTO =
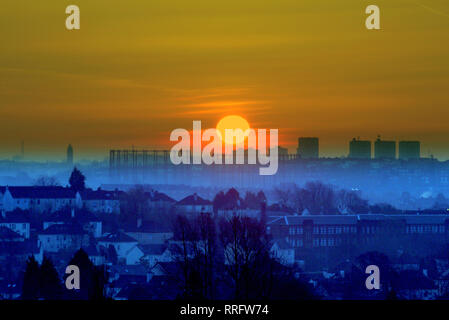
[(70, 155)]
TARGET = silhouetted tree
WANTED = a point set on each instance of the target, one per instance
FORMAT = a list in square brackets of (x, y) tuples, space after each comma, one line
[(196, 255), (349, 202), (441, 202), (92, 278), (246, 251), (134, 205), (77, 180), (49, 281), (384, 208), (232, 198), (219, 201), (30, 287)]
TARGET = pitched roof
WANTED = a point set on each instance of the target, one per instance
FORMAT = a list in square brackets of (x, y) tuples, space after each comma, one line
[(69, 229), (148, 227), (80, 216), (168, 268), (99, 194), (194, 200), (40, 192), (135, 270), (26, 247), (159, 196), (151, 249), (321, 219), (117, 237), (8, 234), (14, 217)]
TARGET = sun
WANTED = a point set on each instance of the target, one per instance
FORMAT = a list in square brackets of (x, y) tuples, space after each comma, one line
[(232, 122)]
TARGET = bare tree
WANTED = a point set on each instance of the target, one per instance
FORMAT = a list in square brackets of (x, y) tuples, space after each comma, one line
[(247, 256), (46, 181)]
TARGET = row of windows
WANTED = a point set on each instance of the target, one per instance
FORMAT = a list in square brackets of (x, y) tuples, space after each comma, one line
[(324, 230), (296, 243), (334, 230), (326, 242), (317, 242), (425, 229), (14, 226), (368, 229), (295, 230)]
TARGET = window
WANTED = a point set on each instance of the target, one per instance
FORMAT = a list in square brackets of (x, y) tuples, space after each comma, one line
[(323, 242)]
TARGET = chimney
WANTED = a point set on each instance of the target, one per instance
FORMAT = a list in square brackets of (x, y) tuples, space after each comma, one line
[(139, 222)]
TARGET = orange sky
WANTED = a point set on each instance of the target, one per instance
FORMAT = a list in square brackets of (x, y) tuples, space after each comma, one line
[(138, 69)]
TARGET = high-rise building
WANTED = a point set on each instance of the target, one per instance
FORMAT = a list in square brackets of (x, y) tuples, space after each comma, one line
[(70, 154), (384, 149), (409, 150), (308, 148), (360, 149)]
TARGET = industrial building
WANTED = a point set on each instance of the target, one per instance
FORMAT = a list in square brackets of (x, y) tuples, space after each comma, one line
[(409, 150), (384, 149), (360, 149), (308, 148)]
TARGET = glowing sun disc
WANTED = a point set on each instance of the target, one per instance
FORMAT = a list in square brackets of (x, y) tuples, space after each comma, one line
[(232, 122)]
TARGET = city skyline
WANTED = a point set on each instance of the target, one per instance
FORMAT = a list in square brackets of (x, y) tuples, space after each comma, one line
[(317, 151)]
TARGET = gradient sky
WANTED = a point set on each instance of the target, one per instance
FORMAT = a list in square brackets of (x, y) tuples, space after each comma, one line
[(138, 69)]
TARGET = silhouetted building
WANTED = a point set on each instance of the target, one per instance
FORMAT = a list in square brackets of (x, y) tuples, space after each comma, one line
[(409, 150), (360, 149), (69, 154), (384, 149), (308, 148), (282, 152)]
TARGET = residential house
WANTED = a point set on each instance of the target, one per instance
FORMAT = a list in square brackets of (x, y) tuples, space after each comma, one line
[(17, 222), (283, 252), (89, 221), (194, 204), (38, 198), (63, 236), (149, 233), (154, 253), (125, 246), (101, 201), (159, 201)]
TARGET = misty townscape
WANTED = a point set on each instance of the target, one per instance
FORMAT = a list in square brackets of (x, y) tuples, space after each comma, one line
[(139, 227)]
